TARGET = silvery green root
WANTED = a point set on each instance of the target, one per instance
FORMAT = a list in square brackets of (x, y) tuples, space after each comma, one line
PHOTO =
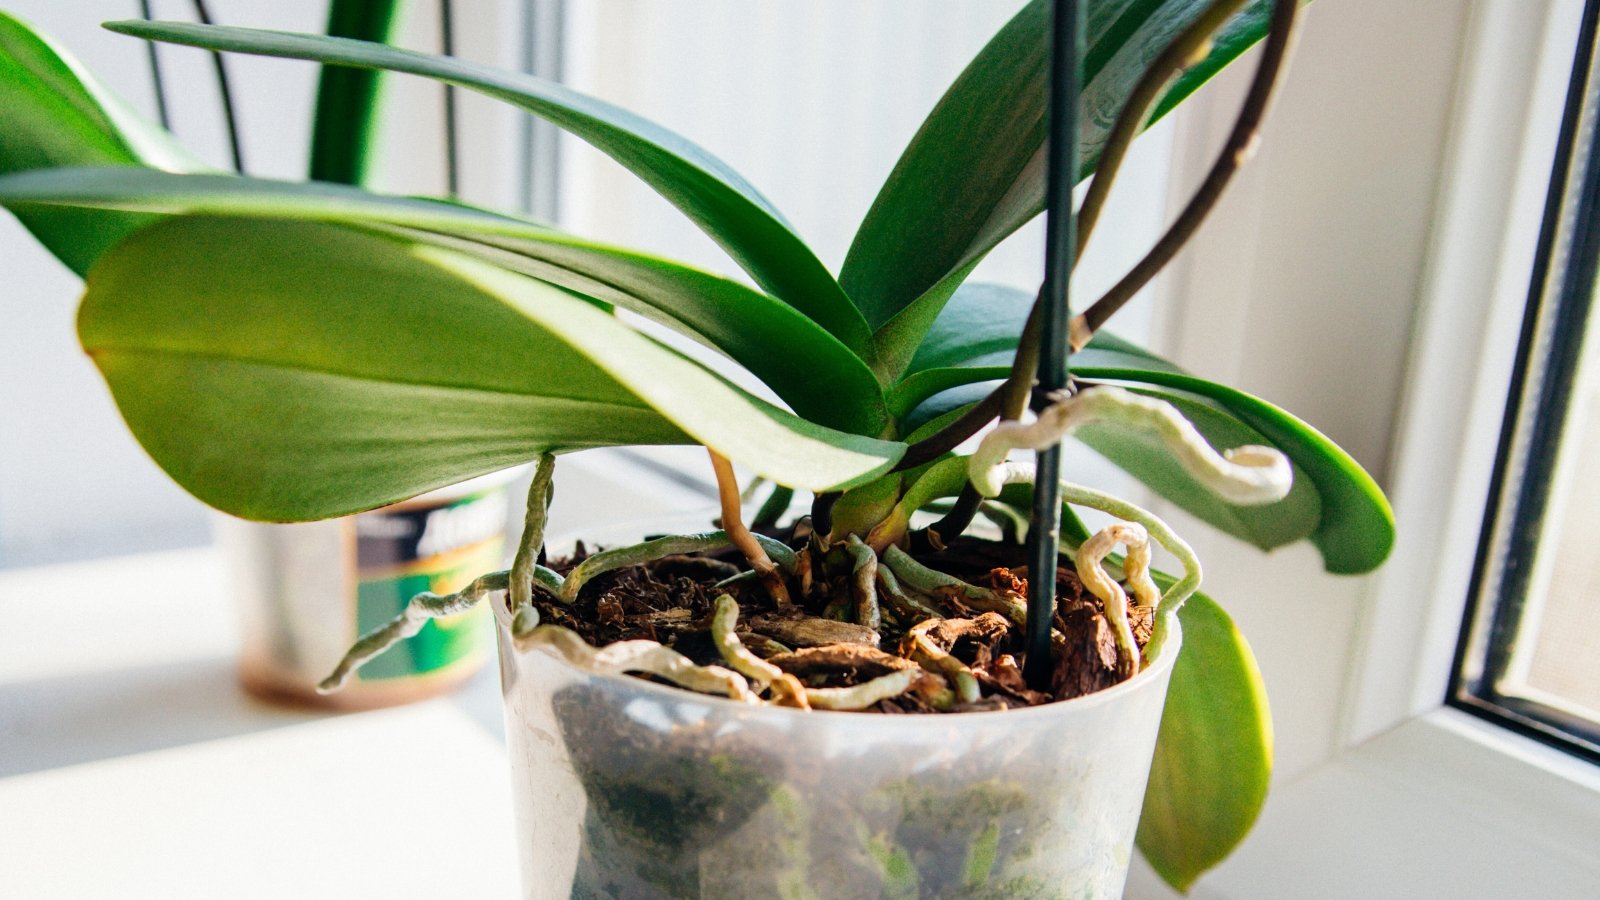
[(864, 582), (525, 565), (905, 604), (786, 688), (926, 653), (672, 545), (865, 694), (1246, 476), (647, 657), (918, 576), (422, 607), (518, 583)]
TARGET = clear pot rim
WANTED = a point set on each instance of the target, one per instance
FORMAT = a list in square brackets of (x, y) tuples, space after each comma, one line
[(1149, 677), (1156, 672)]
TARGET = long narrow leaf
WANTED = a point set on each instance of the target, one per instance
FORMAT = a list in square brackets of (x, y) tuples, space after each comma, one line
[(53, 113), (292, 370), (812, 371), (346, 119), (974, 172), (710, 193)]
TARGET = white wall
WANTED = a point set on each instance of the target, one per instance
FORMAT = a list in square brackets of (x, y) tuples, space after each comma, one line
[(72, 482), (813, 102)]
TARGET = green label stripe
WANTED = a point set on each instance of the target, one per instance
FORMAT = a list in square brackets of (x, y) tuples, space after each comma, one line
[(441, 642)]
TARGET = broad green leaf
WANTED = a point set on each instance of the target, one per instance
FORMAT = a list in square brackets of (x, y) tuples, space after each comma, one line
[(293, 370), (983, 321), (1213, 757), (943, 408), (710, 193), (980, 319), (53, 113), (974, 173), (970, 346), (811, 370), (974, 337)]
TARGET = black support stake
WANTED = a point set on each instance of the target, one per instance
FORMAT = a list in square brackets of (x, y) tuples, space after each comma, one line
[(1061, 237)]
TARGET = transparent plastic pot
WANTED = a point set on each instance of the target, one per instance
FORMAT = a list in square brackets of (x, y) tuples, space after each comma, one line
[(625, 788)]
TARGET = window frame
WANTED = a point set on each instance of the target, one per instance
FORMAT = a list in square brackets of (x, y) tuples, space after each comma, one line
[(1538, 406), (1383, 789)]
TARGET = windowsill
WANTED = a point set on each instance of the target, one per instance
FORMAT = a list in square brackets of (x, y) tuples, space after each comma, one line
[(132, 763)]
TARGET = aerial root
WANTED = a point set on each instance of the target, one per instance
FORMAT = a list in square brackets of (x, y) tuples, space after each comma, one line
[(906, 604), (1136, 570), (741, 536), (865, 694), (864, 583), (647, 657), (915, 575), (786, 689), (938, 659), (417, 613), (525, 568), (1247, 476), (639, 554)]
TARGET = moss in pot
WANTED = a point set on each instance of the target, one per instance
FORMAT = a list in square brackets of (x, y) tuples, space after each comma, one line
[(299, 351)]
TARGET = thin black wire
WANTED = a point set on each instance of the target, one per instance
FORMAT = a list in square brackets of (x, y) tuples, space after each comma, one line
[(1044, 535), (447, 46), (223, 88), (155, 70)]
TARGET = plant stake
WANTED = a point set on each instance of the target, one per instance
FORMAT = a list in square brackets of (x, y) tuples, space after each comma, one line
[(1044, 537)]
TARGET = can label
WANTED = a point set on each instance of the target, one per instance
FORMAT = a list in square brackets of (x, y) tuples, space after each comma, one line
[(404, 550)]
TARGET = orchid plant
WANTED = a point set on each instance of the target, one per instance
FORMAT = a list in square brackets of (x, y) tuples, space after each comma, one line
[(296, 351)]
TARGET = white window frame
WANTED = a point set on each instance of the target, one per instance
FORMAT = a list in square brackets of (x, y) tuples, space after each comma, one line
[(1409, 797)]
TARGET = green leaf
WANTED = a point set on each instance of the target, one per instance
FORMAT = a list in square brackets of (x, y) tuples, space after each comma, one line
[(1213, 757), (983, 322), (56, 114), (949, 183), (346, 117), (782, 347), (294, 370), (974, 173), (710, 193), (979, 320), (941, 409), (971, 345), (974, 339)]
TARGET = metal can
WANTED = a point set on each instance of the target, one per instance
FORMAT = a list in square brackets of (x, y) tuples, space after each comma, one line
[(307, 591)]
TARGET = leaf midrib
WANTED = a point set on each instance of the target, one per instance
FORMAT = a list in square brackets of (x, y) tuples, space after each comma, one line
[(96, 353)]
